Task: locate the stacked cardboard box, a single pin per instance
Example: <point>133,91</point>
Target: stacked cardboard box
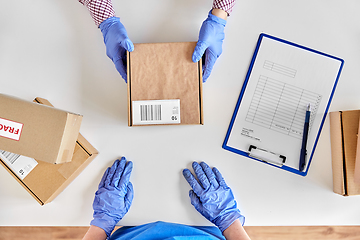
<point>49,152</point>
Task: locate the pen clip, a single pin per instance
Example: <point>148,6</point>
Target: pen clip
<point>303,151</point>
<point>266,156</point>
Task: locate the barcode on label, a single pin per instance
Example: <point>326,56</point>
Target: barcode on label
<point>150,112</point>
<point>11,157</point>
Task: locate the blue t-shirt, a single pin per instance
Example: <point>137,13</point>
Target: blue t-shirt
<point>168,231</point>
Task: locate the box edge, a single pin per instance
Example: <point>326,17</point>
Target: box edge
<point>337,153</point>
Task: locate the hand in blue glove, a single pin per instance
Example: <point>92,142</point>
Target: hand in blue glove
<point>117,43</point>
<point>210,41</point>
<point>114,196</point>
<point>211,196</point>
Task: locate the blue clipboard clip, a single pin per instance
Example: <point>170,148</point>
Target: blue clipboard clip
<point>266,156</point>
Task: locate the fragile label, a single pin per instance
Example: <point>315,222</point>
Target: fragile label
<point>10,129</point>
<point>156,112</point>
<point>19,164</point>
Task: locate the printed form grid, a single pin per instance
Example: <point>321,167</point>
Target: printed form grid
<point>281,107</point>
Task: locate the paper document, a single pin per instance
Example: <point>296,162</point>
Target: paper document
<point>283,79</point>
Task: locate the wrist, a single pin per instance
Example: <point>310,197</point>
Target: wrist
<point>106,223</point>
<point>219,13</point>
<point>107,23</point>
<point>236,231</point>
<point>226,220</point>
<point>216,19</point>
<point>95,232</point>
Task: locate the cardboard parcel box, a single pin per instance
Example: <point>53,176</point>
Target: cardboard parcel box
<point>164,84</point>
<point>44,181</point>
<point>344,128</point>
<point>37,131</point>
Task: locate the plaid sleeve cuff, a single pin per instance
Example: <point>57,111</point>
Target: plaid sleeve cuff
<point>100,10</point>
<point>226,5</point>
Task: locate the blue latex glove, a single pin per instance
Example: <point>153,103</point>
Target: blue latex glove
<point>117,43</point>
<point>211,196</point>
<point>114,196</point>
<point>210,41</point>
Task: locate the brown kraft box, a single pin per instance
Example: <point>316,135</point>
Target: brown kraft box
<point>344,127</point>
<point>165,71</point>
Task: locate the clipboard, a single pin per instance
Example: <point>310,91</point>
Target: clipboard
<point>282,80</point>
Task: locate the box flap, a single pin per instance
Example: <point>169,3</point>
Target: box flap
<point>43,101</point>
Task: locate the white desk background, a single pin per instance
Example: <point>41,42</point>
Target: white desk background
<point>52,49</point>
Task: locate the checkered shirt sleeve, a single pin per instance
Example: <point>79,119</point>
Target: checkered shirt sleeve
<point>100,10</point>
<point>226,5</point>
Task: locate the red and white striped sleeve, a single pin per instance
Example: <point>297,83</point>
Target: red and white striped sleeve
<point>226,5</point>
<point>100,10</point>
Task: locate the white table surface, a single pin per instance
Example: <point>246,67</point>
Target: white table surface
<point>52,49</point>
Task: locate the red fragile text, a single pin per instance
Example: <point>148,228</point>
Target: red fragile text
<point>8,129</point>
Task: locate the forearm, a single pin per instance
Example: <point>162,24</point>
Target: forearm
<point>225,5</point>
<point>95,233</point>
<point>236,232</point>
<point>219,13</point>
<point>100,10</point>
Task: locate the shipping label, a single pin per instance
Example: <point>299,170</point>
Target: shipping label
<point>19,164</point>
<point>156,112</point>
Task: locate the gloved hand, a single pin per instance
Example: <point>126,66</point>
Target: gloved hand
<point>211,196</point>
<point>117,43</point>
<point>210,41</point>
<point>114,196</point>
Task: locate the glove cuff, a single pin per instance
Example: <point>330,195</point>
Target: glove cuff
<point>105,222</point>
<point>107,23</point>
<point>225,221</point>
<point>216,19</point>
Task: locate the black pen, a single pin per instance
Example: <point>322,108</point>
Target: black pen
<point>303,150</point>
